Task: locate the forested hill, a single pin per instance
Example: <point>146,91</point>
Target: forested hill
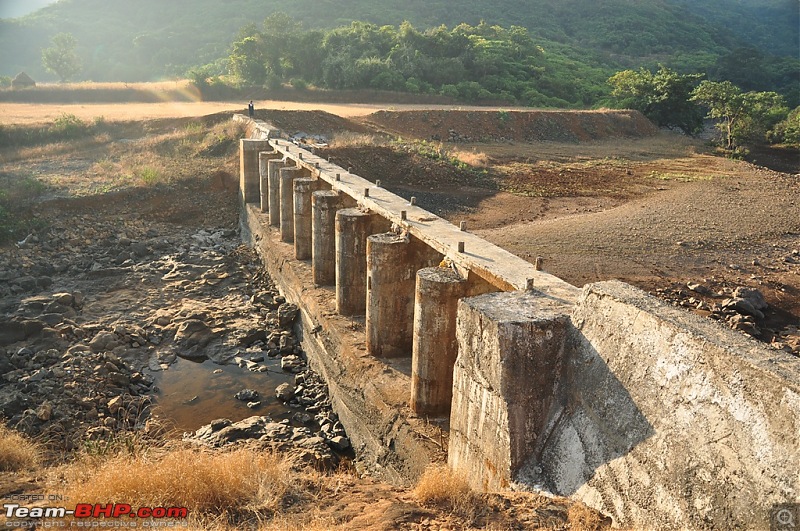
<point>149,39</point>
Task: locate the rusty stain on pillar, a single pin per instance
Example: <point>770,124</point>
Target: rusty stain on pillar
<point>323,236</point>
<point>392,264</point>
<point>288,175</point>
<point>353,226</point>
<point>303,188</point>
<point>435,348</point>
<point>274,185</point>
<point>248,168</point>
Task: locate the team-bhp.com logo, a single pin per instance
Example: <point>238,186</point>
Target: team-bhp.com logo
<point>18,516</point>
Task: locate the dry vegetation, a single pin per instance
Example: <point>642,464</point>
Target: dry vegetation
<point>17,452</point>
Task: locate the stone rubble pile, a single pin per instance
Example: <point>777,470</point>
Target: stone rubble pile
<point>741,308</point>
<point>316,440</point>
<point>92,309</point>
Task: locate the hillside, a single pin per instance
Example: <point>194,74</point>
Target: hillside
<point>149,39</point>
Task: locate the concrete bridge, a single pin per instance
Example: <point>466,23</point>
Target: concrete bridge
<point>431,337</point>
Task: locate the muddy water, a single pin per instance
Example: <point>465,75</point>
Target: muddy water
<point>192,394</point>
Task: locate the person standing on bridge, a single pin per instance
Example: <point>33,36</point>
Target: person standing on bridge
<point>251,110</point>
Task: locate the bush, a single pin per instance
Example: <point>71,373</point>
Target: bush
<point>68,126</point>
<point>786,131</point>
<point>299,83</point>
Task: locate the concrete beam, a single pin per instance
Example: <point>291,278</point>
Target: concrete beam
<point>249,180</point>
<point>392,264</point>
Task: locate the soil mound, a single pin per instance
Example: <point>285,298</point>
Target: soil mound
<point>500,126</point>
<point>317,122</point>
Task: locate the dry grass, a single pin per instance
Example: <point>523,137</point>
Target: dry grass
<point>349,139</point>
<point>204,482</point>
<point>474,158</point>
<point>447,490</point>
<point>580,517</point>
<point>16,452</point>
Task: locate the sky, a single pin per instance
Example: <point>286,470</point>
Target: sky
<point>18,8</point>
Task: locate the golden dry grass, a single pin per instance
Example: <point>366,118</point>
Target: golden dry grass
<point>16,452</point>
<point>443,488</point>
<point>204,482</point>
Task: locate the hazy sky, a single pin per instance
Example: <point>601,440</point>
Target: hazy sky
<point>18,8</point>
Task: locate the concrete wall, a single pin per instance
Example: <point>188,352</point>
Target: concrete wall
<point>655,416</point>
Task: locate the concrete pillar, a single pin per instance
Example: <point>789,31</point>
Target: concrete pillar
<point>353,226</point>
<point>263,173</point>
<point>392,265</point>
<point>274,186</point>
<point>323,236</point>
<point>248,168</point>
<point>288,175</point>
<point>303,188</point>
<point>511,362</point>
<point>435,348</point>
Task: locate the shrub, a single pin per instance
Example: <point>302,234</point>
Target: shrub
<point>299,83</point>
<point>69,126</point>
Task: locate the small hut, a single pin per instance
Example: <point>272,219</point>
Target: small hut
<point>22,81</point>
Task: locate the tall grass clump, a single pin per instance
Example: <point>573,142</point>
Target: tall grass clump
<point>441,487</point>
<point>16,452</point>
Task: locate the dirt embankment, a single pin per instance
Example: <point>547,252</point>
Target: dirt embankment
<point>521,126</point>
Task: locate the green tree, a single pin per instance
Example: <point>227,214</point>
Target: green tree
<point>61,58</point>
<point>787,131</point>
<point>740,115</point>
<point>247,61</point>
<point>664,97</point>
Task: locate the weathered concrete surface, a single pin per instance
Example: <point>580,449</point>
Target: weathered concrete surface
<point>392,264</point>
<point>303,188</point>
<point>666,420</point>
<point>511,350</point>
<point>249,179</point>
<point>353,227</point>
<point>324,205</point>
<point>274,191</point>
<point>370,398</point>
<point>287,177</point>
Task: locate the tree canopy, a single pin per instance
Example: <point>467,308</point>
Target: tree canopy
<point>61,58</point>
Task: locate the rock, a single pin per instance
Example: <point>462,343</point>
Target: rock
<point>114,404</point>
<point>292,363</point>
<point>742,306</point>
<point>284,392</point>
<point>64,299</point>
<point>254,405</point>
<point>44,411</point>
<point>246,395</point>
<point>339,443</point>
<point>286,315</point>
<point>753,296</point>
<point>698,288</point>
<point>104,341</point>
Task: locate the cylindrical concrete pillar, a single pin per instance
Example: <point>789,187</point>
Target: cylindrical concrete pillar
<point>352,228</point>
<point>392,264</point>
<point>303,188</point>
<point>288,175</point>
<point>323,236</point>
<point>435,347</point>
<point>263,172</point>
<point>248,168</point>
<point>274,192</point>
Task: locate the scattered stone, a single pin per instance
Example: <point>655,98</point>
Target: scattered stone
<point>246,395</point>
<point>284,392</point>
<point>292,363</point>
